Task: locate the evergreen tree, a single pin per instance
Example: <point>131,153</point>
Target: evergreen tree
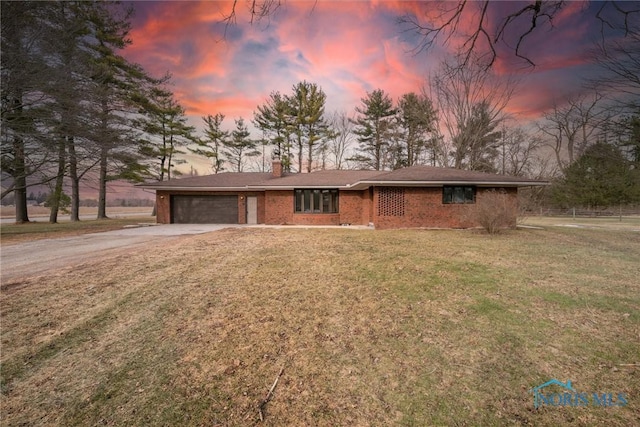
<point>240,146</point>
<point>211,146</point>
<point>307,108</point>
<point>25,150</point>
<point>114,80</point>
<point>165,131</point>
<point>628,133</point>
<point>73,100</point>
<point>374,127</point>
<point>600,178</point>
<point>476,142</point>
<point>416,117</point>
<point>274,118</point>
<point>62,57</point>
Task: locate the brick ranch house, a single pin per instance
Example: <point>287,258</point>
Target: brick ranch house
<point>417,196</point>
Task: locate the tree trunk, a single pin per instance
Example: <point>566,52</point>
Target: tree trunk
<point>378,153</point>
<point>57,191</point>
<point>104,156</point>
<point>75,181</point>
<point>20,185</point>
<point>19,169</point>
<point>310,159</point>
<point>170,158</point>
<point>299,154</point>
<point>163,159</point>
<point>102,192</point>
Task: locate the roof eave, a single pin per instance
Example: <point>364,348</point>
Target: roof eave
<point>364,184</point>
<point>173,188</point>
<point>295,187</point>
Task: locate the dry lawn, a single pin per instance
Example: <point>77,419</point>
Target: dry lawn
<point>15,233</point>
<point>41,211</point>
<point>371,327</point>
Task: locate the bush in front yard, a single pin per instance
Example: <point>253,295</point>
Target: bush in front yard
<point>495,211</point>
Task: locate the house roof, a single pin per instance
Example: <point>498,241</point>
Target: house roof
<point>224,181</point>
<point>318,179</point>
<point>434,176</point>
<point>415,176</point>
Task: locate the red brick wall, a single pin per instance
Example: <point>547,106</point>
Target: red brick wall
<point>423,207</point>
<point>278,207</point>
<point>163,203</point>
<point>354,207</point>
<point>316,219</point>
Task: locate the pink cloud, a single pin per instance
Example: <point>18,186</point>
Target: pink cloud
<point>348,48</point>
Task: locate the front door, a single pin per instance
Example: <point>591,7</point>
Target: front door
<point>252,210</point>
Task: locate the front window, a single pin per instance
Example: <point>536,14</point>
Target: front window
<point>316,201</point>
<point>458,195</point>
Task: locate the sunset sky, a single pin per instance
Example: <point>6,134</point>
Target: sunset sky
<point>347,48</point>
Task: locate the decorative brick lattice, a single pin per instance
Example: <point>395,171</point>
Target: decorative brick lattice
<point>391,201</point>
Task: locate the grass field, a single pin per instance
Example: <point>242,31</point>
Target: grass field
<point>12,233</point>
<point>402,327</point>
<point>41,211</point>
<point>40,229</point>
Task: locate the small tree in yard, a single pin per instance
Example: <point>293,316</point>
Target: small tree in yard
<point>495,211</point>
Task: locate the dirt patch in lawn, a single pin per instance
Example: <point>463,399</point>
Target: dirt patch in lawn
<point>371,327</point>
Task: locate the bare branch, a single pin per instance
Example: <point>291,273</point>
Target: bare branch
<point>471,48</point>
<point>537,11</point>
<point>430,34</point>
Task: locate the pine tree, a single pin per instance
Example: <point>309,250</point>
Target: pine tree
<point>476,143</point>
<point>602,177</point>
<point>164,125</point>
<point>274,119</point>
<point>307,108</point>
<point>114,79</point>
<point>25,74</point>
<point>215,139</point>
<point>416,117</point>
<point>374,127</point>
<point>240,146</point>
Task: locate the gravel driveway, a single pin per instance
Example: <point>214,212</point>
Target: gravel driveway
<point>39,256</point>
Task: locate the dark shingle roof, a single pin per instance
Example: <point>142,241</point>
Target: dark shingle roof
<point>351,179</point>
<point>324,178</point>
<point>445,175</point>
<point>222,181</point>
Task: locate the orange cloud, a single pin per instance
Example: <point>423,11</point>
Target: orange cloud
<point>348,48</point>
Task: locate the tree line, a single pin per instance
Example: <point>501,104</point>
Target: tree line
<point>73,106</point>
<point>463,124</point>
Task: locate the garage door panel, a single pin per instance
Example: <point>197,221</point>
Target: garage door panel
<point>204,209</point>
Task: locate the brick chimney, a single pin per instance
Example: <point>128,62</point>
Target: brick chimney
<point>276,168</point>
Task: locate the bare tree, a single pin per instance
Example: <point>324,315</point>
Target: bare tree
<point>619,57</point>
<point>570,128</point>
<point>341,139</point>
<point>519,152</point>
<point>471,105</point>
